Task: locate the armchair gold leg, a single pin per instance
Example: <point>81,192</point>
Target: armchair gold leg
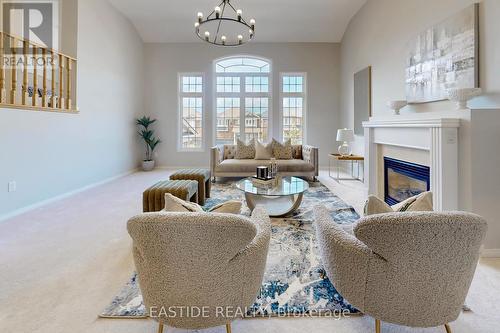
<point>228,328</point>
<point>377,326</point>
<point>448,328</point>
<point>160,328</point>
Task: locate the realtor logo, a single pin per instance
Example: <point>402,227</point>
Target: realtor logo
<point>31,20</point>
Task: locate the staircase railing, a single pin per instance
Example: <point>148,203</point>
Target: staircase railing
<point>47,76</point>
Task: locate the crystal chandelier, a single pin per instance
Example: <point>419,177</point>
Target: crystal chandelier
<point>225,26</point>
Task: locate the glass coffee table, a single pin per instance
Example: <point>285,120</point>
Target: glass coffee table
<point>280,200</point>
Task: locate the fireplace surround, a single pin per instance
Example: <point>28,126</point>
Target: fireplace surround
<point>438,137</point>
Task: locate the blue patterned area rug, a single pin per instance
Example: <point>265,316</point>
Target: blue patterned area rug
<point>294,282</point>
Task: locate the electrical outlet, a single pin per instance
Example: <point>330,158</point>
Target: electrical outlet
<point>12,187</point>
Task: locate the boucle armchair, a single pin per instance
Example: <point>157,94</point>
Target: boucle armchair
<point>199,262</point>
<point>412,269</point>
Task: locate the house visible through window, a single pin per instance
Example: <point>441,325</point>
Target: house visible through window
<point>293,95</point>
<point>191,117</point>
<point>242,93</point>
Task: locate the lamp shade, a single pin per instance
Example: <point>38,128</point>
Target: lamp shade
<point>345,135</point>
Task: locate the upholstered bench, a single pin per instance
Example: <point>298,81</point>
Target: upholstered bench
<point>153,199</point>
<point>202,176</point>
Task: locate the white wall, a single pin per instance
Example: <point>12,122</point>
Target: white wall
<point>378,36</point>
<point>49,154</point>
<point>163,62</point>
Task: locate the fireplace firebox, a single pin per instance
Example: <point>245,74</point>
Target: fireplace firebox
<point>403,180</point>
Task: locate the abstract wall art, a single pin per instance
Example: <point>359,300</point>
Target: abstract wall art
<point>444,56</point>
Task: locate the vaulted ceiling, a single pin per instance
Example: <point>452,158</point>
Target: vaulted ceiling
<point>277,20</point>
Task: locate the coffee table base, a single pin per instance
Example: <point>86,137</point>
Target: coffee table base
<point>276,206</point>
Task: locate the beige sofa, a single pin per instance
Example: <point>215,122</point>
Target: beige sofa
<point>223,163</point>
<point>412,269</point>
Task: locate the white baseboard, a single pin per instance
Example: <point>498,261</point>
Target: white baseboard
<point>490,253</point>
<point>62,196</point>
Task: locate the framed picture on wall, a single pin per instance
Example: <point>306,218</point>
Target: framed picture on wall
<point>444,56</point>
<point>362,98</point>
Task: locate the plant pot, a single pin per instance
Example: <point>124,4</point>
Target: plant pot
<point>148,165</point>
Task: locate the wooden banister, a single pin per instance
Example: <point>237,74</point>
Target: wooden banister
<point>13,88</point>
<point>3,95</point>
<point>44,79</point>
<point>68,83</point>
<point>53,78</point>
<point>61,81</point>
<point>35,60</point>
<point>34,98</point>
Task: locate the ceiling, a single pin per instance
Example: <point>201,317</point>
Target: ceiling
<point>164,21</point>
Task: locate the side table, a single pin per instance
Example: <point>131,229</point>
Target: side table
<point>337,159</point>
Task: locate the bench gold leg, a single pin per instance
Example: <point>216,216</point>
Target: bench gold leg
<point>228,328</point>
<point>448,328</point>
<point>377,326</point>
<point>160,328</point>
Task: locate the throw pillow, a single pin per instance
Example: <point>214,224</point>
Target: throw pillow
<point>418,203</point>
<point>283,151</point>
<point>297,152</point>
<point>245,151</point>
<point>174,204</point>
<point>374,205</point>
<point>263,152</point>
<point>228,207</point>
<point>421,202</point>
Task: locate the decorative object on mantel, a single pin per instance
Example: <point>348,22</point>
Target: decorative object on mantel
<point>345,136</point>
<point>396,106</point>
<point>462,96</point>
<point>444,56</point>
<point>150,141</point>
<point>225,26</point>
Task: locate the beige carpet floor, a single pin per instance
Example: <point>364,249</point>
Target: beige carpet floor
<point>61,264</point>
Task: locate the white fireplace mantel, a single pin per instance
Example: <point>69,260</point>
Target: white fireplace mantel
<point>437,136</point>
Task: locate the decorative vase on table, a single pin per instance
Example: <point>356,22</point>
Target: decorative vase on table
<point>462,95</point>
<point>345,136</point>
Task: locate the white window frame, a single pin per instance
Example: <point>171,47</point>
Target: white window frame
<point>303,94</point>
<point>242,94</point>
<point>180,96</point>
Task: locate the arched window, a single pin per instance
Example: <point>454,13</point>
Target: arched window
<point>243,99</point>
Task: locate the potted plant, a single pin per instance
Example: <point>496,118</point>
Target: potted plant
<point>150,141</point>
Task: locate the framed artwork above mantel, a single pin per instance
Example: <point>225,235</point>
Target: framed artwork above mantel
<point>444,56</point>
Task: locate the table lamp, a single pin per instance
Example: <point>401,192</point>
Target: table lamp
<point>345,136</point>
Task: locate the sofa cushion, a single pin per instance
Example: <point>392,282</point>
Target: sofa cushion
<point>283,151</point>
<point>245,150</point>
<point>263,151</point>
<point>249,166</point>
<point>229,151</point>
<point>294,166</point>
<point>297,151</point>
